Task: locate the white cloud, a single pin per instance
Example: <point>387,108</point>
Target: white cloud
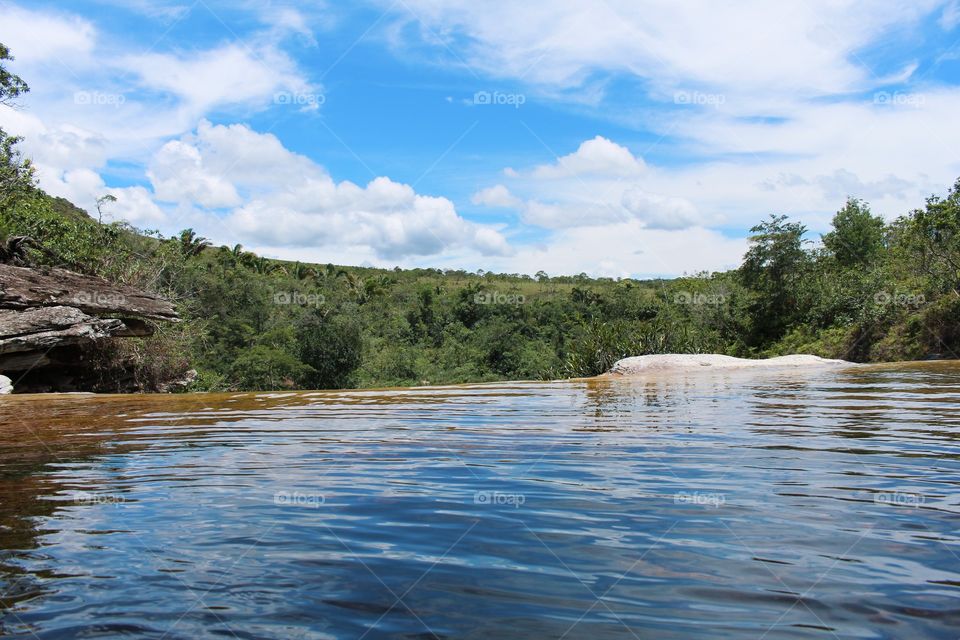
<point>626,249</point>
<point>797,48</point>
<point>598,156</point>
<point>282,199</point>
<point>81,79</point>
<point>600,183</point>
<point>495,196</point>
<point>178,175</point>
<point>232,74</point>
<point>759,73</point>
<point>48,38</point>
<point>658,211</point>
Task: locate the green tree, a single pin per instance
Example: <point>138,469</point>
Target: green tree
<point>16,172</point>
<point>857,236</point>
<point>265,368</point>
<point>930,240</point>
<point>773,269</point>
<point>190,243</point>
<point>332,347</point>
<point>12,86</point>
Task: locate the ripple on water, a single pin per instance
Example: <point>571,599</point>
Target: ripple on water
<point>739,504</point>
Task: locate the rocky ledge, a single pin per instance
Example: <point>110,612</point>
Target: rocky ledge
<point>697,362</point>
<point>52,319</point>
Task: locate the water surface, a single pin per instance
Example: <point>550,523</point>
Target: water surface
<point>754,504</point>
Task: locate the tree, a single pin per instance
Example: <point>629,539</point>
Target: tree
<point>331,346</point>
<point>12,86</point>
<point>265,368</point>
<point>190,243</point>
<point>932,236</point>
<point>300,271</point>
<point>101,201</point>
<point>857,236</point>
<point>16,172</point>
<point>773,270</point>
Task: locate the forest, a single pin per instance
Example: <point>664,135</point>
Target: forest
<point>867,291</point>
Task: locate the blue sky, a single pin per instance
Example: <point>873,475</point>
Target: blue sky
<point>616,138</point>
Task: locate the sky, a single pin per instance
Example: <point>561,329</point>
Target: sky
<point>620,138</point>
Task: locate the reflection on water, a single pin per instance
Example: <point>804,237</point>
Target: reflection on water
<point>737,504</point>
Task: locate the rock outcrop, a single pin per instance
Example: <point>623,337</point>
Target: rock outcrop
<point>696,362</point>
<point>50,318</point>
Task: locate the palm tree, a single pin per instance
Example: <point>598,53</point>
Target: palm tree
<point>300,271</point>
<point>191,244</point>
<point>355,285</point>
<point>263,266</point>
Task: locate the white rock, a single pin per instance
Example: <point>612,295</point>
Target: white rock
<point>6,385</point>
<point>692,362</point>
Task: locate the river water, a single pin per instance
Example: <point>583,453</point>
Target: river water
<point>752,504</point>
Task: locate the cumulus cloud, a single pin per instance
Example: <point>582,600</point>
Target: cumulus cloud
<point>178,175</point>
<point>600,183</point>
<point>282,199</point>
<point>658,211</point>
<point>598,156</point>
<point>495,196</point>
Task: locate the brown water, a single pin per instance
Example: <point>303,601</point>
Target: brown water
<point>752,504</point>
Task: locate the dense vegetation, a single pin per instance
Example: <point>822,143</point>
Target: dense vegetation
<point>870,291</point>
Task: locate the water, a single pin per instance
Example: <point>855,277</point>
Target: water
<point>743,505</point>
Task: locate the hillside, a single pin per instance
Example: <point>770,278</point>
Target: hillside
<point>872,292</point>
